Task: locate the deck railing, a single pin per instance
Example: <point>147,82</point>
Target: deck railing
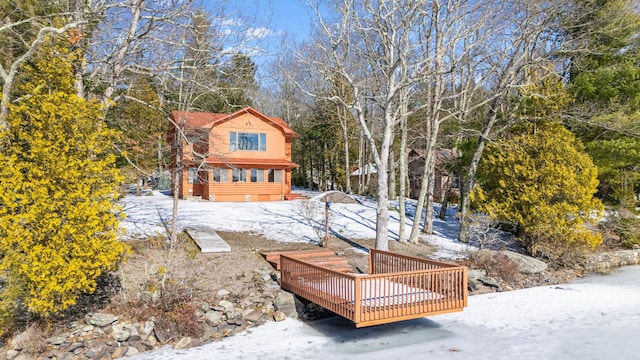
<point>330,289</point>
<point>399,288</point>
<point>383,262</point>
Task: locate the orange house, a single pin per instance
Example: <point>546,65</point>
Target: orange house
<point>244,156</point>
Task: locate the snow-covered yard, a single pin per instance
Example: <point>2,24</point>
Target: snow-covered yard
<point>286,221</point>
<point>594,318</point>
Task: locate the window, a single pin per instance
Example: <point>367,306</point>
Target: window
<point>275,175</point>
<point>248,141</point>
<point>220,175</point>
<point>193,176</point>
<point>257,175</point>
<point>455,183</point>
<point>239,175</point>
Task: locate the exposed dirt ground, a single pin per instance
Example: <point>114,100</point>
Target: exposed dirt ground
<point>206,273</point>
<point>197,275</point>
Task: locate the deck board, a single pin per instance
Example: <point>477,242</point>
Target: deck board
<point>319,256</point>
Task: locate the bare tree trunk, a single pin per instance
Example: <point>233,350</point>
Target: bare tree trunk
<point>362,152</point>
<point>345,137</point>
<point>403,182</point>
<point>445,200</point>
<point>392,175</point>
<point>427,227</point>
<point>470,179</point>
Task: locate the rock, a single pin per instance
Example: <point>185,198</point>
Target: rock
<point>22,340</point>
<point>100,319</point>
<point>472,284</point>
<point>252,315</point>
<point>11,353</point>
<point>120,333</point>
<point>210,332</point>
<point>222,292</point>
<point>135,335</point>
<point>152,341</point>
<point>246,303</point>
<point>23,356</point>
<point>272,286</point>
<point>146,345</point>
<point>57,340</point>
<point>226,305</point>
<point>147,329</point>
<point>489,281</point>
<point>85,330</point>
<point>120,351</point>
<point>526,264</point>
<point>476,273</point>
<point>285,302</point>
<point>131,351</point>
<point>237,321</point>
<point>47,355</point>
<point>279,316</point>
<point>268,306</point>
<point>74,346</point>
<point>226,329</point>
<point>213,317</point>
<point>183,343</point>
<point>205,307</point>
<point>139,346</point>
<point>265,274</point>
<point>96,353</point>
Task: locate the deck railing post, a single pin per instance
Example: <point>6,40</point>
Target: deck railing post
<point>357,300</point>
<point>465,288</point>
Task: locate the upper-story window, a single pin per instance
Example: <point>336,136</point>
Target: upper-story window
<point>248,141</point>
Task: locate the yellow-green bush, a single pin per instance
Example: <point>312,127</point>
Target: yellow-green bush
<point>58,185</point>
<point>542,179</point>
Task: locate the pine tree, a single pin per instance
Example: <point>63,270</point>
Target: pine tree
<point>541,179</point>
<point>137,117</point>
<point>58,190</point>
<point>604,77</point>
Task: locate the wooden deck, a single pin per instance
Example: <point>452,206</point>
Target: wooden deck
<point>320,256</point>
<point>398,287</point>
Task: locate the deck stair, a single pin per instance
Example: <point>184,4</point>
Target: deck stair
<point>321,257</point>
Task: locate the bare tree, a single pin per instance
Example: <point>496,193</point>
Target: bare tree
<point>523,47</point>
<point>371,48</point>
<point>24,31</point>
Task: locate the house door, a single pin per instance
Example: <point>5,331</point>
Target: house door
<point>200,183</point>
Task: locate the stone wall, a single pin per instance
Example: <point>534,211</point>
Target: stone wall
<point>605,262</point>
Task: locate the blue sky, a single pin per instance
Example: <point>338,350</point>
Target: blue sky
<point>289,16</point>
<point>274,20</point>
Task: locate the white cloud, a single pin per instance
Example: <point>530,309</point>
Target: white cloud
<point>258,33</point>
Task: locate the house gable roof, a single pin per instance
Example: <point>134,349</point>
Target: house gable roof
<point>193,119</point>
